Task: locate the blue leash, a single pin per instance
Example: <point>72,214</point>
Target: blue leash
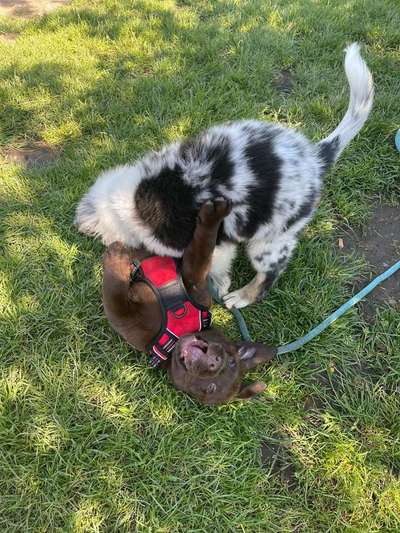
<point>397,140</point>
<point>295,345</point>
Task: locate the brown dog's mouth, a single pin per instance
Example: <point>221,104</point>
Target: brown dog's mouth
<point>200,357</point>
<point>192,349</point>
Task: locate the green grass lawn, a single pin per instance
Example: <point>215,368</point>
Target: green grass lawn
<point>90,438</point>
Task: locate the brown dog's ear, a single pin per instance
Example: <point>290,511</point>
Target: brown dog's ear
<point>249,391</point>
<point>253,354</point>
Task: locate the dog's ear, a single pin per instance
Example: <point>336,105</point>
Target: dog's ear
<point>253,389</point>
<point>253,354</point>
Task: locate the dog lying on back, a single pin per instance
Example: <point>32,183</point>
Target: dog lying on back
<point>271,175</point>
<point>204,364</point>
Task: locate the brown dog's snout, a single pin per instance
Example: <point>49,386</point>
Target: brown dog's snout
<point>215,358</point>
<point>200,357</point>
<point>214,362</point>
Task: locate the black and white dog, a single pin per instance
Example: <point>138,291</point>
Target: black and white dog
<point>271,174</point>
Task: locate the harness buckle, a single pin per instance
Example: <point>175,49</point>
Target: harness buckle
<point>180,312</point>
<point>136,270</point>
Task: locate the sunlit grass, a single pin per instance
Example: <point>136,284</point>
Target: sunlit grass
<point>90,438</point>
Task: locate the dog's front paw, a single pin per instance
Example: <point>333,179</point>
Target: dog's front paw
<point>117,259</point>
<point>214,211</point>
<point>238,299</point>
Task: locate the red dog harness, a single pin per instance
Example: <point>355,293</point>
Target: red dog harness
<point>180,314</point>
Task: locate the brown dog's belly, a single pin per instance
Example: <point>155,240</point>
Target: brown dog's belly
<point>132,310</point>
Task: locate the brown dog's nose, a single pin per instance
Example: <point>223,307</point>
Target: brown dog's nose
<point>214,362</point>
<point>215,358</point>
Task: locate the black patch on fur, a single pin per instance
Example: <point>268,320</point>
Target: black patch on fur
<point>218,155</point>
<point>261,257</point>
<point>305,209</point>
<point>167,205</point>
<point>282,261</point>
<point>189,149</point>
<point>222,165</point>
<point>265,166</point>
<point>239,220</point>
<point>222,236</point>
<point>273,273</point>
<point>327,153</point>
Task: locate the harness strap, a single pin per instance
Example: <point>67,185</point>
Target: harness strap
<point>162,275</point>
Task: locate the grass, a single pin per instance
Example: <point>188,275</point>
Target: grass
<point>90,438</point>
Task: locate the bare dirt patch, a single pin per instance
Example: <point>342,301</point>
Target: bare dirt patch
<point>379,243</point>
<point>29,8</point>
<point>283,81</point>
<point>32,155</point>
<point>275,457</point>
<point>8,36</point>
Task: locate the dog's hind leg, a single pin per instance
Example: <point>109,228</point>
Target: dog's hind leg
<point>269,259</point>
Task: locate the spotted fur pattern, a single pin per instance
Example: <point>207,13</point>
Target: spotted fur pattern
<point>272,175</point>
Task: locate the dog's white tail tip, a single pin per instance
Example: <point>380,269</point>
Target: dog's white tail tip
<point>360,102</point>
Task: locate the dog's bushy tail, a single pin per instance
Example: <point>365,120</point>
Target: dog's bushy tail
<point>360,105</point>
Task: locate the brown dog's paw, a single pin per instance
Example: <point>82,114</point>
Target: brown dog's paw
<point>117,259</point>
<point>117,248</point>
<point>214,211</point>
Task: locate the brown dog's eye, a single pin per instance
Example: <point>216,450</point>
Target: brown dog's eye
<point>211,388</point>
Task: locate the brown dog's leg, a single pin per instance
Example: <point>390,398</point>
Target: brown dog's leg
<point>197,256</point>
<point>116,277</point>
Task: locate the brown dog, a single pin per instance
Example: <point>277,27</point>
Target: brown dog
<point>205,365</point>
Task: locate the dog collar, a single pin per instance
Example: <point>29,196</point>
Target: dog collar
<point>181,315</point>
